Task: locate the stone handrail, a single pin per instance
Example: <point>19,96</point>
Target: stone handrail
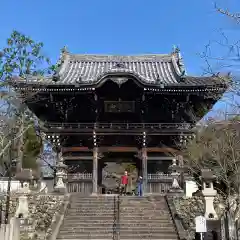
<point>182,233</point>
<point>58,219</point>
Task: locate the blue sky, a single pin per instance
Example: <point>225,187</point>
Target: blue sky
<point>121,27</point>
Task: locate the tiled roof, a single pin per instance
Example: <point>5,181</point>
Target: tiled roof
<point>157,69</point>
<point>91,68</point>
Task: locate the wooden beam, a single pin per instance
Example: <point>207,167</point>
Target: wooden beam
<point>80,158</point>
<point>162,150</point>
<point>75,149</point>
<point>120,149</point>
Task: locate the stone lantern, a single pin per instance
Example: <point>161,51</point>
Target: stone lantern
<point>60,175</point>
<point>25,176</point>
<point>176,172</point>
<point>209,193</point>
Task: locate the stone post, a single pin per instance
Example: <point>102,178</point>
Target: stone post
<point>144,169</point>
<point>209,194</point>
<point>22,207</point>
<point>176,172</point>
<point>60,175</point>
<point>95,171</point>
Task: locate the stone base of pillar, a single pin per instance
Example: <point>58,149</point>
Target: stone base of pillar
<point>94,194</point>
<point>60,189</point>
<point>22,209</point>
<point>175,190</point>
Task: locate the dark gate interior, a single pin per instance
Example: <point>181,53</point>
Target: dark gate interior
<point>112,167</point>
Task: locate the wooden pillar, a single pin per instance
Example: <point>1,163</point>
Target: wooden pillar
<point>95,171</point>
<point>144,169</point>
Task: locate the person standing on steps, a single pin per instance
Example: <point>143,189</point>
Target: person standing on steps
<point>124,182</point>
<point>139,185</point>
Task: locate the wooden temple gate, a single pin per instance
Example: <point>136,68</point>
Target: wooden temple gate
<point>156,183</point>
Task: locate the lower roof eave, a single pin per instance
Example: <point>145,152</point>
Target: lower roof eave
<point>39,87</point>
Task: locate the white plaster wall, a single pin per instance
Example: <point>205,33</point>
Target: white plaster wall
<point>10,231</point>
<point>15,185</point>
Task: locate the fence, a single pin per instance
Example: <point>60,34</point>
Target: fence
<point>80,182</point>
<point>159,183</point>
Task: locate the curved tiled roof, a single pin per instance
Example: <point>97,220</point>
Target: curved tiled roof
<point>166,69</point>
<point>92,68</point>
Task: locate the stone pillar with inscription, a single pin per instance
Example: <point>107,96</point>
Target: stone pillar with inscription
<point>95,171</point>
<point>144,169</point>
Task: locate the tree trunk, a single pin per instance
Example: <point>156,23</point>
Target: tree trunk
<point>20,144</point>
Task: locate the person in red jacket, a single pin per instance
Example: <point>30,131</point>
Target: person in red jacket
<point>124,182</point>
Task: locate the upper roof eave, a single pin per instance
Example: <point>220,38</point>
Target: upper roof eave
<point>187,82</point>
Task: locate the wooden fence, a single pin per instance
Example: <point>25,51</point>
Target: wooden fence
<point>159,183</point>
<point>80,183</point>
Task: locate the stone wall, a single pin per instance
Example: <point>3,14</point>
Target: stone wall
<point>189,208</point>
<point>42,209</point>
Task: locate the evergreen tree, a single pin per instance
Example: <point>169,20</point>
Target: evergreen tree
<point>20,59</point>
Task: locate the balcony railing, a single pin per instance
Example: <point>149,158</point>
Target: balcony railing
<point>150,176</point>
<point>120,126</point>
<point>80,176</point>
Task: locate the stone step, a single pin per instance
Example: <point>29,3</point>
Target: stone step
<point>132,235</point>
<point>126,231</point>
<point>148,222</point>
<point>105,228</point>
<point>125,238</point>
<point>121,201</point>
<point>148,208</point>
<point>99,223</point>
<point>110,206</point>
<point>122,218</point>
<point>142,199</point>
<point>122,214</point>
<point>111,212</point>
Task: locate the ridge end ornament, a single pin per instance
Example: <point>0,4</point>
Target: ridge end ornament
<point>119,80</point>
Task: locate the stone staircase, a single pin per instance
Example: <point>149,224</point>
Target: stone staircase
<point>146,218</point>
<point>88,218</point>
<point>140,218</point>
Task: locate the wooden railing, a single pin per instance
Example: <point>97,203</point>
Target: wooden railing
<point>151,176</point>
<point>120,126</point>
<point>157,183</point>
<point>79,176</point>
<point>159,177</point>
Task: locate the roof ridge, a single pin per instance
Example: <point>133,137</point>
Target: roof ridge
<point>120,58</point>
<point>120,55</point>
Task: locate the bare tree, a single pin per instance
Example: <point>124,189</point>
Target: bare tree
<point>217,147</point>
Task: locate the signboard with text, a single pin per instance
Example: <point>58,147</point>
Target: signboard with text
<point>201,224</point>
